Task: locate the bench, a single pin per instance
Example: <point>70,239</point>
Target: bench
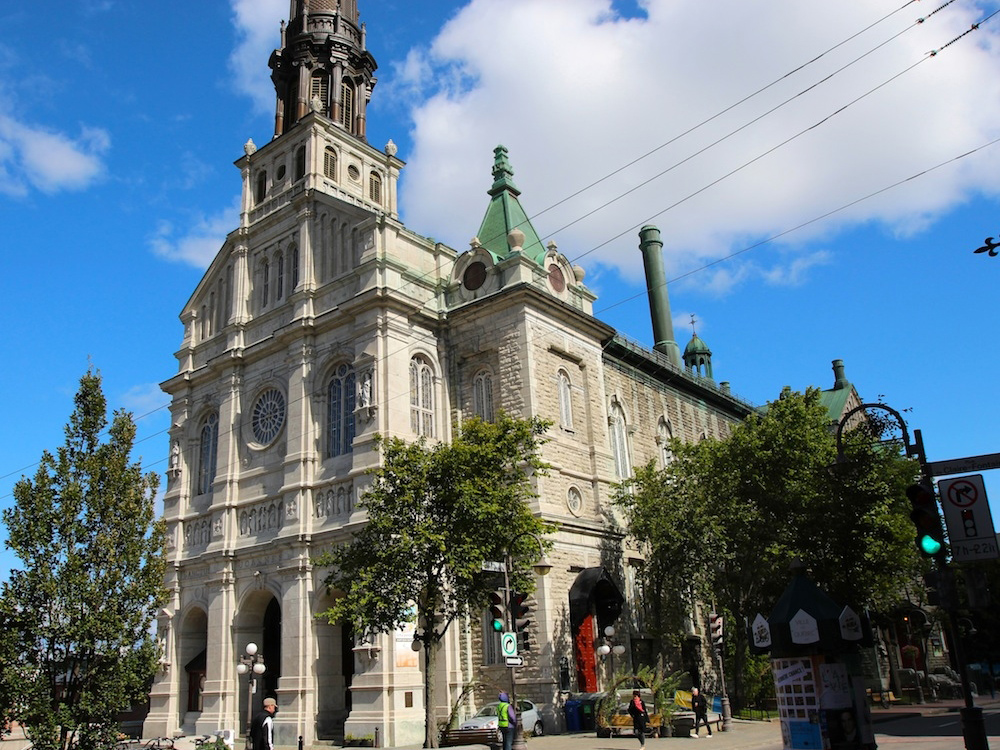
<point>683,722</point>
<point>885,698</point>
<point>453,737</point>
<point>623,724</point>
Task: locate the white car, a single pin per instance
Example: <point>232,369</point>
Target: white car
<point>487,718</point>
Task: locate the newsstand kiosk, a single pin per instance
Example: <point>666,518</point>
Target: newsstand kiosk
<point>816,663</point>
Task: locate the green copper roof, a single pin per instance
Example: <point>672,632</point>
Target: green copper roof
<point>505,214</point>
<point>697,346</point>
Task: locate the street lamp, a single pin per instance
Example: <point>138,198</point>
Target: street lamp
<point>608,647</point>
<point>542,566</point>
<point>251,664</point>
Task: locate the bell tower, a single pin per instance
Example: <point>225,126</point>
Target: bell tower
<point>322,66</point>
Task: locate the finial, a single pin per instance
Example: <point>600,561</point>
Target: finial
<point>390,148</point>
<point>694,331</point>
<point>474,243</point>
<point>249,147</point>
<point>552,246</point>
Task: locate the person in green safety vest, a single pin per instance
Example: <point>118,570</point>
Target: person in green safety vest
<point>506,720</point>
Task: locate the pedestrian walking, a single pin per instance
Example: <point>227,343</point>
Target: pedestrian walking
<point>506,720</point>
<point>640,717</point>
<point>262,726</point>
<point>700,707</point>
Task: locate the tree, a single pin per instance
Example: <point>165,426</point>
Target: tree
<point>722,522</point>
<point>435,514</point>
<point>77,647</point>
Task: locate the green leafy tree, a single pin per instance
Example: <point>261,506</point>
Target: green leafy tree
<point>77,647</point>
<point>724,520</point>
<point>435,514</point>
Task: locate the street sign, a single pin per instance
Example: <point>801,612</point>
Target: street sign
<point>968,518</point>
<point>493,567</point>
<point>964,465</point>
<point>508,644</point>
<point>514,661</point>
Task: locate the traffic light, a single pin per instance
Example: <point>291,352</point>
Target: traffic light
<point>496,610</point>
<point>925,516</point>
<point>519,618</point>
<point>715,630</point>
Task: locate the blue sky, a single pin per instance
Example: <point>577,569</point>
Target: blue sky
<point>829,127</point>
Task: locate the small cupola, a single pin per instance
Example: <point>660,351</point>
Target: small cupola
<point>697,355</point>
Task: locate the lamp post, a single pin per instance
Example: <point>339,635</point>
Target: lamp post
<point>608,647</point>
<point>252,664</point>
<point>541,567</point>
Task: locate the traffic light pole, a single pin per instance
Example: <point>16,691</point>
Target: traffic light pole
<point>508,564</point>
<point>973,726</point>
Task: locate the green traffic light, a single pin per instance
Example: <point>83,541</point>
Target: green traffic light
<point>498,625</point>
<point>929,544</point>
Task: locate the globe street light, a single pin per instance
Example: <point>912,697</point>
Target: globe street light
<point>251,664</point>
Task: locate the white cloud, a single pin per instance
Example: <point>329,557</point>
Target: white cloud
<point>199,246</point>
<point>576,92</point>
<point>257,30</point>
<point>144,399</point>
<point>32,156</point>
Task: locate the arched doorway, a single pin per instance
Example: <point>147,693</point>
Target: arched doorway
<point>192,649</point>
<point>334,673</point>
<point>258,622</point>
<point>595,601</point>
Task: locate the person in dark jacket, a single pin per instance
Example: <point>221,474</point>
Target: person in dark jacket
<point>640,717</point>
<point>262,726</point>
<point>700,707</point>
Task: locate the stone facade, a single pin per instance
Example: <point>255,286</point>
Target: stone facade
<point>324,321</point>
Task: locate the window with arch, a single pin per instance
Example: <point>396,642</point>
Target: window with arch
<point>664,433</point>
<point>421,397</point>
<point>260,190</point>
<point>375,187</point>
<point>619,441</point>
<point>346,105</point>
<point>565,401</point>
<point>299,167</point>
<point>320,90</point>
<point>208,451</point>
<point>330,163</point>
<point>482,395</point>
<point>279,282</point>
<point>293,262</point>
<point>265,283</point>
<point>341,394</point>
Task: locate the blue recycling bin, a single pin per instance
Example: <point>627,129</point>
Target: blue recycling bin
<point>574,721</point>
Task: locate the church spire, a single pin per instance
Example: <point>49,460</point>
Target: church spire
<point>323,66</point>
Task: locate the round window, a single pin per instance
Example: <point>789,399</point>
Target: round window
<point>281,172</point>
<point>474,276</point>
<point>556,278</point>
<point>268,416</point>
<point>574,501</point>
<point>354,173</point>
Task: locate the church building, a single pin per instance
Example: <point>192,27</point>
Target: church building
<point>323,321</point>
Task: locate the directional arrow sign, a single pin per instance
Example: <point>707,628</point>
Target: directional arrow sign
<point>514,661</point>
<point>967,515</point>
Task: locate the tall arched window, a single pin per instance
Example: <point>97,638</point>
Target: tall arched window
<point>340,419</point>
<point>320,90</point>
<point>565,401</point>
<point>261,188</point>
<point>279,282</point>
<point>421,397</point>
<point>293,262</point>
<point>664,433</point>
<point>346,105</point>
<point>330,163</point>
<point>619,441</point>
<point>299,166</point>
<point>375,187</point>
<point>265,283</point>
<point>482,395</point>
<point>208,451</point>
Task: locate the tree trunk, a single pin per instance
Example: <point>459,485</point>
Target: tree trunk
<point>431,647</point>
